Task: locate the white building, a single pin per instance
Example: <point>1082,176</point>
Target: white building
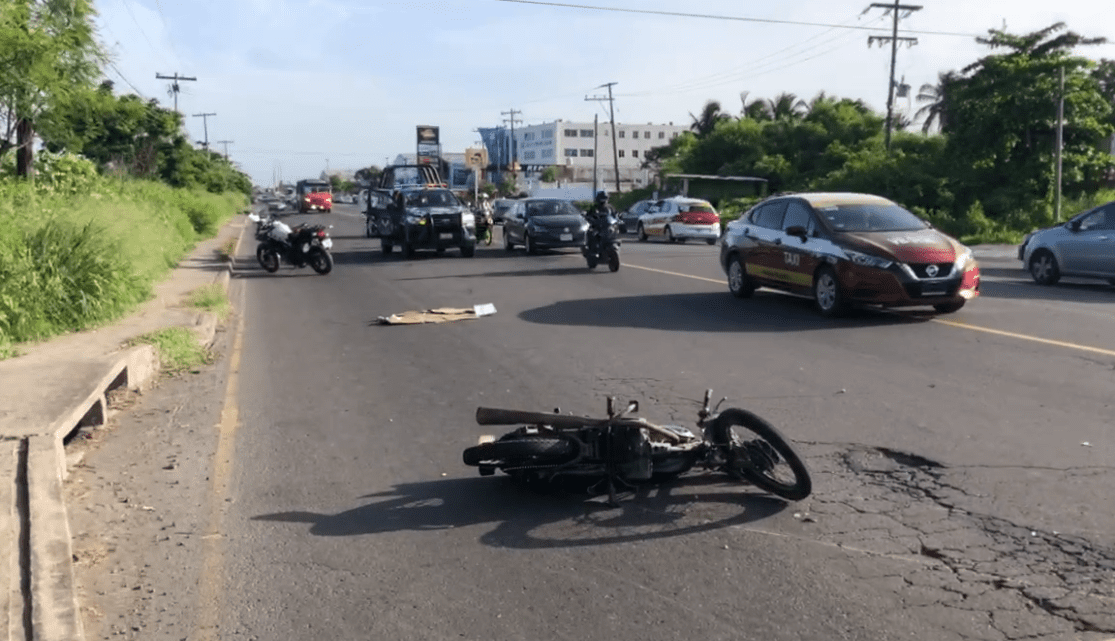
<point>577,147</point>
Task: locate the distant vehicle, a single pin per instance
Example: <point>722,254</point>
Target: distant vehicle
<point>629,220</point>
<point>411,208</point>
<point>500,209</point>
<point>313,195</point>
<point>1082,247</point>
<point>544,223</point>
<point>679,219</point>
<point>842,249</point>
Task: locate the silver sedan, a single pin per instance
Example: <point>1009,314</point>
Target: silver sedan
<point>1083,247</point>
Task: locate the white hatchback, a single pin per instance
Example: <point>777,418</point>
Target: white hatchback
<point>678,219</point>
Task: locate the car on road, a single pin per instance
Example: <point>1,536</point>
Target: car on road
<point>842,249</point>
<point>629,220</point>
<point>500,208</point>
<point>1082,247</point>
<point>678,219</point>
<point>420,217</point>
<point>544,223</point>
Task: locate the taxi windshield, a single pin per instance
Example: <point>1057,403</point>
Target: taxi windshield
<point>871,217</point>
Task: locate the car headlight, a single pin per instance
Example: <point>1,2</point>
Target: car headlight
<point>468,219</point>
<point>964,260</point>
<point>584,226</point>
<point>867,260</point>
<point>412,219</point>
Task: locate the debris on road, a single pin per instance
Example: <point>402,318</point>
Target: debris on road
<point>438,315</point>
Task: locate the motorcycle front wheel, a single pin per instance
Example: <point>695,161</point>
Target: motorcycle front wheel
<point>321,261</point>
<point>521,451</point>
<point>268,258</point>
<point>613,260</point>
<point>758,453</point>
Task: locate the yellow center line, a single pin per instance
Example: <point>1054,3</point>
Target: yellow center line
<point>974,328</point>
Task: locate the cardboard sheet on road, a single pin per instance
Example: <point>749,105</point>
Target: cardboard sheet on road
<point>437,315</point>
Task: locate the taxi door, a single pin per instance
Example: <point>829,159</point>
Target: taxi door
<point>799,255</point>
<point>762,255</point>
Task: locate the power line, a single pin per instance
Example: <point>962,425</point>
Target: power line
<point>680,14</point>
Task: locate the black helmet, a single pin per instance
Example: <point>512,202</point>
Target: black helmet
<point>601,197</point>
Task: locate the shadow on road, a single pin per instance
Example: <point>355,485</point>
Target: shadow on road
<point>527,519</point>
<point>1017,284</point>
<point>711,312</point>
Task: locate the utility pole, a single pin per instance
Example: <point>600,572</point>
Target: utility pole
<point>1060,143</point>
<point>612,115</point>
<point>226,143</point>
<point>595,128</point>
<point>174,88</point>
<point>514,154</point>
<point>205,123</point>
<point>893,39</point>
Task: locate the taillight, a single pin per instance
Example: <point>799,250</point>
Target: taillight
<point>321,233</point>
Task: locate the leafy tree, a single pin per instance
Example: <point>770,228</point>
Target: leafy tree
<point>47,51</point>
<point>1001,121</point>
<point>550,174</point>
<point>787,106</point>
<point>368,174</point>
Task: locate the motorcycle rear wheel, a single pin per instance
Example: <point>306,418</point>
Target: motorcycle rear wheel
<point>519,451</point>
<point>761,455</point>
<point>321,261</point>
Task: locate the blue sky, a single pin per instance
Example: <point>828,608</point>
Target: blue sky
<point>300,86</point>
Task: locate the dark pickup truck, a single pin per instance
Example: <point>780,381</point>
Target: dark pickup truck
<point>411,208</point>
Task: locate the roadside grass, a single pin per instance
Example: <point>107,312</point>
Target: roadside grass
<point>228,250</point>
<point>77,258</point>
<point>211,298</point>
<point>179,350</point>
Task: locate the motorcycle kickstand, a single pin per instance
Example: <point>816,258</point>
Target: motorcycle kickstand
<point>613,501</point>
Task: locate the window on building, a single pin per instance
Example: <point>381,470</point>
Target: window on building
<point>621,153</point>
<point>587,153</point>
<point>661,135</point>
<point>646,134</point>
<point>547,153</point>
<point>634,153</point>
<point>547,133</point>
<point>570,152</point>
<point>674,135</point>
<point>570,133</point>
<point>620,132</point>
<point>586,133</point>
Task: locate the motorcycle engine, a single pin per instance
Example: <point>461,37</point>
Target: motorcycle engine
<point>630,450</point>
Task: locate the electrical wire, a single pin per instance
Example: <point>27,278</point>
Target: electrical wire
<point>681,14</point>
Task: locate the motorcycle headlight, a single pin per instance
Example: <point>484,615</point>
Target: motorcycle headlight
<point>584,226</point>
<point>867,260</point>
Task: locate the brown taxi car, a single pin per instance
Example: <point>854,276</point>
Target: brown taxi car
<point>846,248</point>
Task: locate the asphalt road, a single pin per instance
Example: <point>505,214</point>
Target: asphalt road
<point>961,463</point>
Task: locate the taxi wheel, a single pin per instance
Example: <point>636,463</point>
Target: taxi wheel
<point>1044,268</point>
<point>826,293</point>
<point>738,282</point>
<point>710,241</point>
<point>642,234</point>
<point>670,236</point>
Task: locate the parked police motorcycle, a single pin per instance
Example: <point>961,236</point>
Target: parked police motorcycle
<point>298,246</point>
<point>602,239</point>
<point>620,451</point>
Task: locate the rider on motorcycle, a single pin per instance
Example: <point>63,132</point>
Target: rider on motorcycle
<point>600,208</point>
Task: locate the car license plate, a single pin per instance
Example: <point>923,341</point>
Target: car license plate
<point>446,235</point>
<point>933,291</point>
<point>567,236</point>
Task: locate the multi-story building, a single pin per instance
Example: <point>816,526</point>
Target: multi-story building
<point>580,148</point>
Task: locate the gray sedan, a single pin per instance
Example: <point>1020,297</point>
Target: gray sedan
<point>1083,247</point>
<point>544,223</point>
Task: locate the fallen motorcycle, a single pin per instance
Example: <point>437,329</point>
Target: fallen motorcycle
<point>602,241</point>
<point>620,451</point>
<point>299,246</point>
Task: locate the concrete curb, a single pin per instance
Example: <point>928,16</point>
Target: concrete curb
<point>41,601</point>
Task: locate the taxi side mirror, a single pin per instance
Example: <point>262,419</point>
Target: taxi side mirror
<point>799,231</point>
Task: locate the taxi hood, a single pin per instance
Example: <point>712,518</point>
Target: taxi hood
<point>918,246</point>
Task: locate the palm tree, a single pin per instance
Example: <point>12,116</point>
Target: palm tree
<point>757,109</point>
<point>787,106</point>
<point>936,97</point>
<point>710,115</point>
